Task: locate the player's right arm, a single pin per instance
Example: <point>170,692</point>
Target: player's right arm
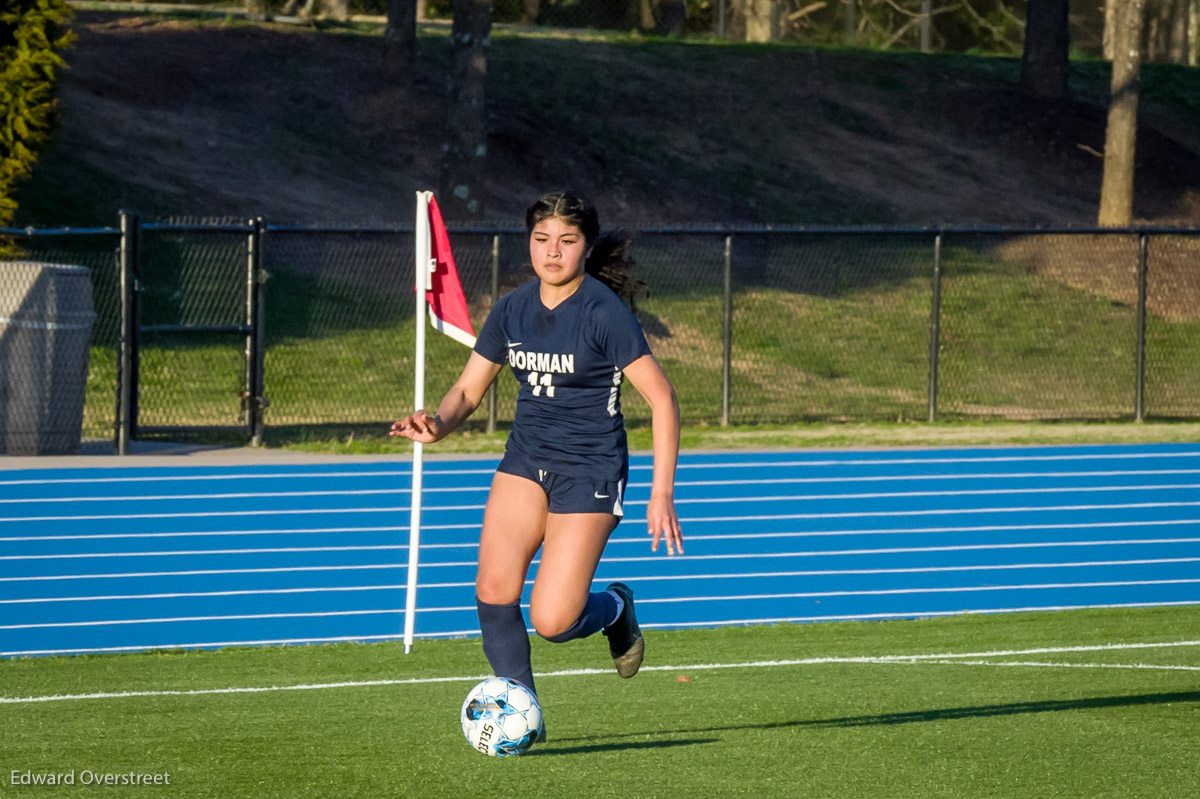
<point>459,403</point>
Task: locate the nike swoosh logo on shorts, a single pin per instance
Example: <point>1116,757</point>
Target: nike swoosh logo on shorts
<point>598,495</point>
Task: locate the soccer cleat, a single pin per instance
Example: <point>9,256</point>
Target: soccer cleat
<point>625,640</point>
<point>541,736</point>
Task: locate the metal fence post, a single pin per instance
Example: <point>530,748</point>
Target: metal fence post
<point>935,326</point>
<point>727,335</point>
<point>491,397</point>
<point>1139,403</point>
<point>126,425</point>
<point>255,334</point>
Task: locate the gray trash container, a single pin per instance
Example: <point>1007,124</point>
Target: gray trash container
<point>46,321</point>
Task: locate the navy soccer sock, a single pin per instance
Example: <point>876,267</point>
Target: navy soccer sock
<point>599,611</point>
<point>505,641</point>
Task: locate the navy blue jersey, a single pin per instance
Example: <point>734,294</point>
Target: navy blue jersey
<point>569,363</point>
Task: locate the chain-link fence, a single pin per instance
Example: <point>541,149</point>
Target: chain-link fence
<point>311,330</point>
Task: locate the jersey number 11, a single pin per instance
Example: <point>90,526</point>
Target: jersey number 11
<point>541,381</point>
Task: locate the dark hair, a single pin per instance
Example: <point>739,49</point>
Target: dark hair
<point>609,261</point>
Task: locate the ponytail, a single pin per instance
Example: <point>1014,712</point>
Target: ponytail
<point>610,263</point>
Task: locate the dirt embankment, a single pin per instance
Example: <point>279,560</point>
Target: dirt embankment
<point>188,118</point>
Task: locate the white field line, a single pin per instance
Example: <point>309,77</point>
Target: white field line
<point>980,492</point>
<point>678,484</point>
<point>602,580</point>
<point>1043,664</point>
<point>431,469</point>
<point>972,658</point>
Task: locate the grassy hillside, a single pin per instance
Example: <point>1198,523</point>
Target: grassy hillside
<point>189,117</point>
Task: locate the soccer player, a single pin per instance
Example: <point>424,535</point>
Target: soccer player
<point>570,342</point>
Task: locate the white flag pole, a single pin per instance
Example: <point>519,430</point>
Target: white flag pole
<point>422,263</point>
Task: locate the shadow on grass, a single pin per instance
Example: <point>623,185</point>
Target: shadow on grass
<point>616,747</point>
<point>912,717</point>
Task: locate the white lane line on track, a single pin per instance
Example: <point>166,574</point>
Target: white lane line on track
<point>636,540</point>
<point>756,517</point>
<point>666,600</point>
<point>840,496</point>
<point>716,556</point>
<point>468,632</point>
<point>484,486</point>
<point>597,581</point>
<point>431,468</point>
<point>972,658</point>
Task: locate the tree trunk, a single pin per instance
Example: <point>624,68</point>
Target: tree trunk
<point>761,19</point>
<point>338,10</point>
<point>1116,191</point>
<point>400,44</point>
<point>1180,22</point>
<point>1110,28</point>
<point>460,189</point>
<point>1044,66</point>
<point>295,7</point>
<point>1193,27</point>
<point>530,11</point>
<point>664,17</point>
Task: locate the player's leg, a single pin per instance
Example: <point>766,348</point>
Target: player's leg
<point>513,527</point>
<point>563,607</point>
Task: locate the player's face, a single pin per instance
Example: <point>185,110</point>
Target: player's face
<point>558,251</point>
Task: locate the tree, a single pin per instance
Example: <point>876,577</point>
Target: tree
<point>761,19</point>
<point>338,10</point>
<point>1116,190</point>
<point>1044,66</point>
<point>465,148</point>
<point>664,17</point>
<point>33,35</point>
<point>400,44</point>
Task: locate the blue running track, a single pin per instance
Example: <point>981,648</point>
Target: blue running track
<point>117,559</point>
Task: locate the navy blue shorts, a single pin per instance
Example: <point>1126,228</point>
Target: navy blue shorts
<point>565,494</point>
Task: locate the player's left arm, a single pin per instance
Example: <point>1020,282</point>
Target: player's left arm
<point>651,382</point>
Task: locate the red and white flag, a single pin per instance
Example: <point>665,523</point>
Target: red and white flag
<point>447,304</point>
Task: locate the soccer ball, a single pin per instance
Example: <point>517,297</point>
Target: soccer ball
<point>501,717</point>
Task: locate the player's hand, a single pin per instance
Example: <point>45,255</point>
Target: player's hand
<point>663,524</point>
<point>420,426</point>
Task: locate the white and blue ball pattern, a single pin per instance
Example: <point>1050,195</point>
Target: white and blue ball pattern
<point>501,717</point>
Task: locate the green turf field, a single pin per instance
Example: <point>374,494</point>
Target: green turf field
<point>1084,704</point>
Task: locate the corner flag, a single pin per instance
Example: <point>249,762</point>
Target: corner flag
<point>439,289</point>
<point>447,303</point>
